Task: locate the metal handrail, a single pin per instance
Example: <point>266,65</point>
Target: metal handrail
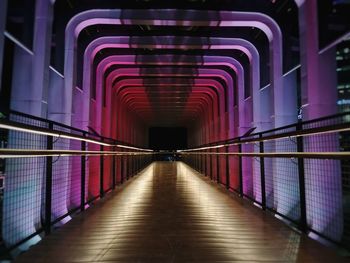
<point>11,125</point>
<point>309,155</point>
<point>20,153</point>
<point>297,133</point>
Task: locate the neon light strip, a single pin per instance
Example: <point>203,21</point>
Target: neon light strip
<point>326,155</point>
<point>283,137</point>
<point>19,153</point>
<point>132,148</point>
<point>17,42</point>
<point>56,71</point>
<point>14,128</point>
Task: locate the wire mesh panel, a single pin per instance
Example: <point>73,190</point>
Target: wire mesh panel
<point>3,144</point>
<point>23,198</point>
<point>323,183</point>
<point>72,179</point>
<point>249,184</point>
<point>62,176</point>
<point>24,181</point>
<point>23,185</point>
<point>345,173</point>
<point>126,167</point>
<point>301,171</point>
<point>222,166</point>
<point>269,184</point>
<point>324,197</point>
<point>346,202</point>
<point>234,169</point>
<point>118,169</point>
<point>107,173</point>
<point>74,184</point>
<point>285,196</point>
<point>282,175</point>
<point>45,187</point>
<point>209,164</point>
<point>93,178</point>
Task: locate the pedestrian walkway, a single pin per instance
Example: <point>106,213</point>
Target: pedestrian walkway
<point>169,213</point>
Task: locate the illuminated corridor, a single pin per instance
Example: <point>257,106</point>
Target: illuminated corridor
<point>175,131</point>
<point>169,213</point>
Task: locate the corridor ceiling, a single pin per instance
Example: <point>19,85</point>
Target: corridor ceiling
<point>171,62</point>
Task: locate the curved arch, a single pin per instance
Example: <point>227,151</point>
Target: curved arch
<point>244,116</point>
<point>184,72</point>
<point>224,18</point>
<point>209,84</point>
<point>199,94</point>
<point>136,72</point>
<point>206,94</point>
<point>213,43</point>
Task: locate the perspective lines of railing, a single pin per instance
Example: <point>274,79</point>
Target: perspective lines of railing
<point>300,172</point>
<point>50,171</point>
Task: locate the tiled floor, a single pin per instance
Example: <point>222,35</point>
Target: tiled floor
<point>171,214</point>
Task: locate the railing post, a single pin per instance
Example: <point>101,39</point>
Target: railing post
<point>240,171</point>
<point>194,161</point>
<point>262,174</point>
<point>127,168</point>
<point>202,163</point>
<point>113,170</point>
<point>102,192</point>
<point>136,163</point>
<point>83,174</point>
<point>211,165</point>
<point>227,169</point>
<point>217,166</point>
<point>48,188</point>
<point>197,162</point>
<point>121,169</point>
<point>131,170</point>
<point>301,172</point>
<point>139,163</point>
<point>194,157</point>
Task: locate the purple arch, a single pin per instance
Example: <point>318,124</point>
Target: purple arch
<point>197,82</point>
<point>169,60</point>
<point>199,90</point>
<point>239,44</point>
<point>223,18</point>
<point>135,72</point>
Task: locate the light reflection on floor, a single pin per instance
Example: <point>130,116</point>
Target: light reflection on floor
<point>169,213</point>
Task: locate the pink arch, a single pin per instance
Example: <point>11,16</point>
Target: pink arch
<point>244,120</point>
<point>247,48</point>
<point>261,21</point>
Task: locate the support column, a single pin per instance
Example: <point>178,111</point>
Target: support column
<point>318,71</point>
<point>3,11</point>
<point>42,49</point>
<point>29,86</point>
<point>323,182</point>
